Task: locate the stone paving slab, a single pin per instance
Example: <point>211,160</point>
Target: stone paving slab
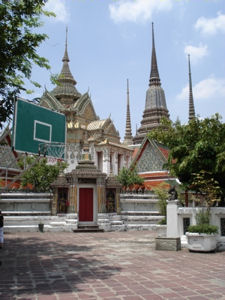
<point>108,265</point>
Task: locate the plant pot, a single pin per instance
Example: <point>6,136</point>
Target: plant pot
<point>201,242</point>
<point>41,227</point>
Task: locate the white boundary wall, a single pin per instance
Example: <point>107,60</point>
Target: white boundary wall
<point>176,215</point>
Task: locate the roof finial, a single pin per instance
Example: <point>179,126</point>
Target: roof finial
<point>154,74</point>
<point>66,57</point>
<point>128,139</point>
<point>191,100</point>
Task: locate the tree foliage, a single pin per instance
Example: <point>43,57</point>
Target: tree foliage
<point>128,177</point>
<point>196,147</point>
<point>162,194</point>
<point>40,175</point>
<point>19,41</point>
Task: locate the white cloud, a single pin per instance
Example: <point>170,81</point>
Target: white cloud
<point>59,8</point>
<point>211,26</point>
<point>209,88</point>
<point>196,53</point>
<point>137,10</point>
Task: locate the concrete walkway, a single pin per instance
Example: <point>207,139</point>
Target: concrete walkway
<point>112,265</point>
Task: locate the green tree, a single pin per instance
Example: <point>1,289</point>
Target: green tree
<point>129,177</point>
<point>162,193</point>
<point>195,147</point>
<point>19,42</point>
<point>40,174</point>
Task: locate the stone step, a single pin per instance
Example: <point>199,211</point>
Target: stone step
<point>58,223</point>
<point>140,213</point>
<point>141,218</point>
<point>141,200</point>
<point>20,228</point>
<point>118,227</point>
<point>152,227</point>
<point>24,200</point>
<point>71,221</point>
<point>118,218</point>
<point>117,222</point>
<point>26,213</point>
<point>34,228</point>
<point>138,196</point>
<point>87,228</point>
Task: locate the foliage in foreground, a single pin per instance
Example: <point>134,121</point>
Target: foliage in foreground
<point>129,177</point>
<point>19,41</point>
<point>196,147</point>
<point>40,175</point>
<point>162,195</point>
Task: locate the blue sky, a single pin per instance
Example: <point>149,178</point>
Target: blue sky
<point>110,41</point>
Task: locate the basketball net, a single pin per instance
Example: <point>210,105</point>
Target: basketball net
<point>52,150</point>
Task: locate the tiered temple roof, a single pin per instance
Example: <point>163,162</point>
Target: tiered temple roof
<point>78,108</point>
<point>155,103</point>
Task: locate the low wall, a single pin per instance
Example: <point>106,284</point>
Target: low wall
<point>187,216</point>
<point>14,203</point>
<point>138,202</point>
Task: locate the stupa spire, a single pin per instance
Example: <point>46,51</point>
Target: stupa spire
<point>66,75</point>
<point>155,102</point>
<point>191,100</point>
<point>66,57</point>
<point>128,139</point>
<point>66,87</point>
<point>154,74</point>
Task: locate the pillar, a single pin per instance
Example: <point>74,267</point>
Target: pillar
<point>172,219</point>
<point>106,161</point>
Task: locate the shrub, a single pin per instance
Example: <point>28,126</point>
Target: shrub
<point>203,228</point>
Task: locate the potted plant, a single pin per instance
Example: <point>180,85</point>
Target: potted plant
<point>202,236</point>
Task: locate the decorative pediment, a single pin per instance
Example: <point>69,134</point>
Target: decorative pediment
<point>84,107</point>
<point>89,113</point>
<point>110,129</point>
<point>49,101</point>
<point>149,158</point>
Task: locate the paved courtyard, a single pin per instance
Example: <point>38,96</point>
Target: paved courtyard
<point>114,265</point>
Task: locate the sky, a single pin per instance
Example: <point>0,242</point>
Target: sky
<point>110,41</point>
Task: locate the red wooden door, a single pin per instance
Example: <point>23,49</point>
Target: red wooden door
<point>86,205</point>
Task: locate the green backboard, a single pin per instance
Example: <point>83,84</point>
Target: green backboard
<point>35,125</point>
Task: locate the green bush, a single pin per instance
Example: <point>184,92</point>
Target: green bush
<point>129,177</point>
<point>203,228</point>
<point>162,222</point>
<point>162,195</point>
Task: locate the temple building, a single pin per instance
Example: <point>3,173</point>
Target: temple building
<point>108,154</point>
<point>155,103</point>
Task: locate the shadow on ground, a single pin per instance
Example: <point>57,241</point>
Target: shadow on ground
<point>38,264</point>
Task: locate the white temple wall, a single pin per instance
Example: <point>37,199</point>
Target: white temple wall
<point>111,158</point>
<point>217,217</point>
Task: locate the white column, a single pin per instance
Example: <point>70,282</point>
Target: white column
<point>106,161</point>
<point>115,163</point>
<point>172,219</point>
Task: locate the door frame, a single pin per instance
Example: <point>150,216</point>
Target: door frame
<point>95,204</point>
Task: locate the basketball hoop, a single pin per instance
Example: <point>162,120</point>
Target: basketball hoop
<point>53,149</point>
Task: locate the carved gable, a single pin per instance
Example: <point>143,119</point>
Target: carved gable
<point>150,159</point>
<point>49,101</point>
<point>111,130</point>
<point>89,112</point>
